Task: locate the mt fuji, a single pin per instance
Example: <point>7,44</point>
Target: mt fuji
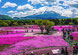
<point>46,15</point>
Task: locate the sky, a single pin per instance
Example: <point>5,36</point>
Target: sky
<point>23,8</point>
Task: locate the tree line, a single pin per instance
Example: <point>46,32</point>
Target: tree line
<point>72,21</point>
<point>43,24</point>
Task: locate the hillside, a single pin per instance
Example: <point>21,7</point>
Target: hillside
<point>5,17</point>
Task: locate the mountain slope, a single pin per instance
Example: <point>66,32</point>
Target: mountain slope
<point>5,17</point>
<point>46,15</point>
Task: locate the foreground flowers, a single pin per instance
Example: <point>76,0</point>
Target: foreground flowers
<point>12,38</point>
<point>37,42</point>
<point>75,35</point>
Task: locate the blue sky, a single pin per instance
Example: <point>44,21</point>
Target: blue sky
<point>5,10</point>
<point>23,8</point>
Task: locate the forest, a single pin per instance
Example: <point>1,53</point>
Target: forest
<point>71,21</point>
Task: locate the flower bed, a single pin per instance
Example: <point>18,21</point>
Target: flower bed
<point>35,43</point>
<point>59,28</point>
<point>75,38</point>
<point>12,28</point>
<point>75,34</point>
<point>12,35</point>
<point>12,32</point>
<point>12,38</point>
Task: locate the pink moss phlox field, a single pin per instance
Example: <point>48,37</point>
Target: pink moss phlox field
<point>12,28</point>
<point>12,38</point>
<point>75,38</point>
<point>19,42</point>
<point>59,28</point>
<point>75,35</point>
<point>12,35</point>
<point>13,32</point>
<point>37,42</point>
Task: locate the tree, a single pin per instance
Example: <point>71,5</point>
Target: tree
<point>41,27</point>
<point>40,24</point>
<point>21,24</point>
<point>8,22</point>
<point>3,24</point>
<point>71,23</point>
<point>48,25</point>
<point>15,23</point>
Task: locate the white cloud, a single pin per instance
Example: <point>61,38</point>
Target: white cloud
<point>0,0</point>
<point>70,12</point>
<point>8,4</point>
<point>30,10</point>
<point>58,9</point>
<point>35,1</point>
<point>51,2</point>
<point>19,14</point>
<point>42,2</point>
<point>25,7</point>
<point>12,11</point>
<point>22,14</point>
<point>69,2</point>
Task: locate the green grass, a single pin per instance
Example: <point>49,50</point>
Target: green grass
<point>71,43</point>
<point>44,33</point>
<point>41,33</point>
